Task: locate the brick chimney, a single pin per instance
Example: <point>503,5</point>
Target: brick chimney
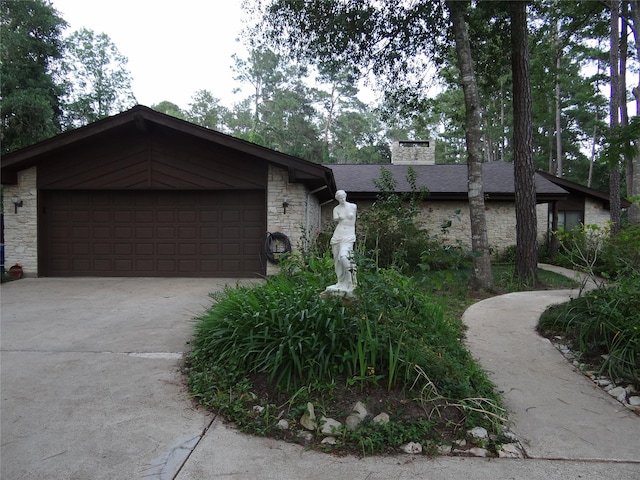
<point>413,152</point>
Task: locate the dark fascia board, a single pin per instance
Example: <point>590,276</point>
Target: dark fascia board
<point>573,186</point>
<point>313,174</point>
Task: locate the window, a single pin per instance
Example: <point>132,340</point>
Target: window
<point>568,219</point>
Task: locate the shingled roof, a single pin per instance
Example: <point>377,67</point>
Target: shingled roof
<point>444,182</point>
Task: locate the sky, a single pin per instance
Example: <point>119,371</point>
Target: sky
<point>174,48</point>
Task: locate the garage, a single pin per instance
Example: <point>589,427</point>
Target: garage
<point>153,233</point>
<point>146,194</point>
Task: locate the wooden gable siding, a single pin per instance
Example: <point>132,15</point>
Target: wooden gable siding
<point>157,159</point>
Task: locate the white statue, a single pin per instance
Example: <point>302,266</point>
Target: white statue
<point>344,236</point>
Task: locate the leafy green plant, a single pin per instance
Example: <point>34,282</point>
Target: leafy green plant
<point>604,326</point>
<point>582,248</point>
<point>621,254</point>
<point>388,230</point>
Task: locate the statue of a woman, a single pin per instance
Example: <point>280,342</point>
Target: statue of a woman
<point>344,236</point>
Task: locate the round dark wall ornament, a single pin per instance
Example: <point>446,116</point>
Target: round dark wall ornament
<point>276,246</point>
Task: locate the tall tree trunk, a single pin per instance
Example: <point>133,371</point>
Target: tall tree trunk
<point>633,179</point>
<point>526,269</point>
<point>594,142</point>
<point>502,122</point>
<point>482,277</point>
<point>560,160</point>
<point>614,61</point>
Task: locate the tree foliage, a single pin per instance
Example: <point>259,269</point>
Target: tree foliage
<point>30,49</point>
<point>98,80</point>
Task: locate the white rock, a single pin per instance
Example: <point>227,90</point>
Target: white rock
<point>444,449</point>
<point>411,448</point>
<point>306,436</point>
<point>283,424</point>
<point>478,433</point>
<point>510,450</point>
<point>329,440</point>
<point>353,422</point>
<point>619,393</point>
<point>603,382</point>
<point>460,443</point>
<point>479,452</point>
<point>381,418</point>
<point>360,410</point>
<point>329,425</point>
<point>630,389</point>
<point>634,401</point>
<point>510,435</point>
<point>258,409</point>
<point>308,419</point>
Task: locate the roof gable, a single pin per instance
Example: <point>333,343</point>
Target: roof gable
<point>142,119</point>
<point>574,187</point>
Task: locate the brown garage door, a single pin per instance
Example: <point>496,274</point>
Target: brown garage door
<point>153,233</point>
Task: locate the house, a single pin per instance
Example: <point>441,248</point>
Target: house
<point>583,205</point>
<point>146,194</point>
<point>447,198</point>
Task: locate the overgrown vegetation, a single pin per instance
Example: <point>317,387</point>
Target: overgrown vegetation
<point>391,338</point>
<point>261,353</point>
<point>603,325</point>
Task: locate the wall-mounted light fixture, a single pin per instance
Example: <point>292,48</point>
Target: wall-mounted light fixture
<point>17,202</point>
<point>285,203</point>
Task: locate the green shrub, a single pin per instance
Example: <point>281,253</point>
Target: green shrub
<point>286,329</point>
<point>621,254</point>
<point>604,325</point>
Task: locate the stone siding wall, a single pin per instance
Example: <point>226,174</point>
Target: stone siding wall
<point>21,228</point>
<point>501,222</point>
<point>595,213</point>
<point>302,220</point>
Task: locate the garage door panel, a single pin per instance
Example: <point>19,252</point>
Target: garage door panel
<point>154,233</point>
<point>123,216</point>
<point>165,216</point>
<point>123,249</point>
<point>76,215</point>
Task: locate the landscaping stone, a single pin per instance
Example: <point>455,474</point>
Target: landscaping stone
<point>478,434</point>
<point>382,418</point>
<point>479,452</point>
<point>619,393</point>
<point>306,437</point>
<point>329,425</point>
<point>444,449</point>
<point>634,401</point>
<point>510,450</point>
<point>353,422</point>
<point>329,440</point>
<point>308,419</point>
<point>360,410</point>
<point>283,424</point>
<point>411,448</point>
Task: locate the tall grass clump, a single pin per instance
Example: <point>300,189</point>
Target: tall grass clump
<point>604,324</point>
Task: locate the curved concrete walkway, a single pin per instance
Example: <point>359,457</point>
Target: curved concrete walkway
<point>556,411</point>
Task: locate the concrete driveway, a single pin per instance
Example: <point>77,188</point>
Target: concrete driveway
<point>91,390</point>
<point>90,382</point>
